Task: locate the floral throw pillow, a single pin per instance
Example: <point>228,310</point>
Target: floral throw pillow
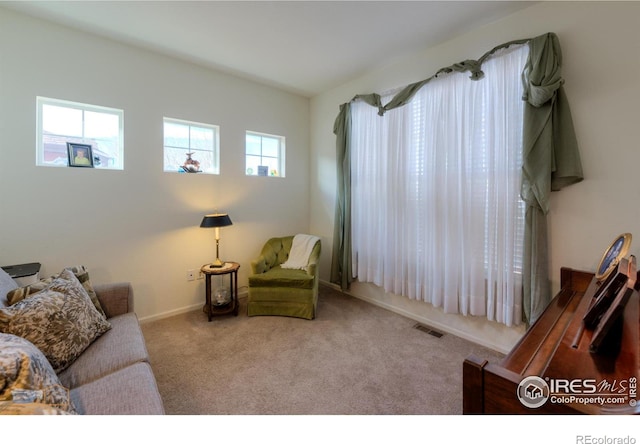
<point>28,383</point>
<point>31,408</point>
<point>18,294</point>
<point>60,320</point>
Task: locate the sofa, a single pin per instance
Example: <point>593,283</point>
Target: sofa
<point>275,290</point>
<point>105,371</point>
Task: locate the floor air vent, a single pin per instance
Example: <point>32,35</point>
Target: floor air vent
<point>428,330</point>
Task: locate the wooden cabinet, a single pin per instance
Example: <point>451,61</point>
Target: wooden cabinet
<point>556,349</point>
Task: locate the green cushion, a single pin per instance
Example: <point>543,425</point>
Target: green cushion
<point>274,252</point>
<point>281,277</point>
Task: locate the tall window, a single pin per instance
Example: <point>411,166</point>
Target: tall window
<point>60,121</point>
<point>196,142</point>
<point>264,154</point>
<point>436,208</point>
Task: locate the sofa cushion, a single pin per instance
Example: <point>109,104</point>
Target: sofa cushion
<point>281,277</point>
<point>79,271</point>
<point>7,284</point>
<point>26,377</point>
<point>129,391</point>
<point>60,320</point>
<point>121,346</point>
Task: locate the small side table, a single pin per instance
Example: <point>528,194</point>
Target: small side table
<point>230,268</point>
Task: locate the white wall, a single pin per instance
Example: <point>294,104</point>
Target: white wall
<point>140,224</point>
<point>600,45</point>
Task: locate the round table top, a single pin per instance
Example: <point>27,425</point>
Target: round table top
<point>228,267</point>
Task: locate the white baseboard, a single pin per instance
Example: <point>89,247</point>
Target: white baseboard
<point>423,320</point>
<point>167,314</point>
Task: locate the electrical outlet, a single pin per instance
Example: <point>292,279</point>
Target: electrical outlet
<point>191,275</point>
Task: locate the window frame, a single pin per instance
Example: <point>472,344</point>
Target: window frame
<point>83,107</point>
<point>281,158</point>
<point>192,124</point>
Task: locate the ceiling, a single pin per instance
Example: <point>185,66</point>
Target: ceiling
<point>305,47</point>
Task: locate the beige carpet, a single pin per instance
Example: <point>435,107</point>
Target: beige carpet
<point>353,359</point>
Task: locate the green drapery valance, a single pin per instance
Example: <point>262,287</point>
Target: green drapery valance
<point>551,160</point>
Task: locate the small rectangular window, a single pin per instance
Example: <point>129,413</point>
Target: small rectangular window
<point>61,121</point>
<point>191,147</point>
<point>265,155</point>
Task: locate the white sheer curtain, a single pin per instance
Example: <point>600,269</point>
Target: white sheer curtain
<point>436,208</point>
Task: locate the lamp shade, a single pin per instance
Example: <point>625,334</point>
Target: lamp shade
<point>215,221</point>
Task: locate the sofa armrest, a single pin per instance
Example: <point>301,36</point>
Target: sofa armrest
<point>259,265</point>
<point>115,298</point>
<point>312,266</point>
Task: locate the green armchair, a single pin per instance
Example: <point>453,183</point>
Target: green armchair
<point>278,291</point>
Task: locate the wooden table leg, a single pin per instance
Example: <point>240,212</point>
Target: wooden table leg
<point>208,296</point>
<point>234,289</point>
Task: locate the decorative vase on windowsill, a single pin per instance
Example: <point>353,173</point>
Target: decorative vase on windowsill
<point>191,165</point>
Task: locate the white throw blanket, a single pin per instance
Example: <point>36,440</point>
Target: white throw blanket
<point>300,251</point>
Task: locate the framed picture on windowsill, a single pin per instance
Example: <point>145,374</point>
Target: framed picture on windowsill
<point>80,155</point>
